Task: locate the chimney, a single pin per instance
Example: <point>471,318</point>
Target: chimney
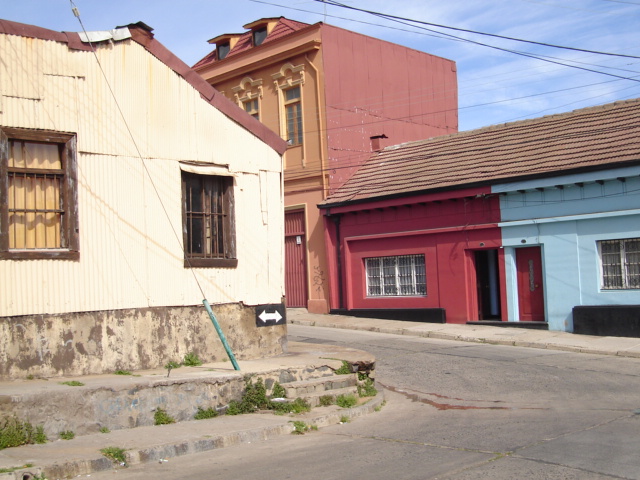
<point>375,142</point>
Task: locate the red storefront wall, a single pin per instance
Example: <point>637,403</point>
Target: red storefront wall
<point>448,233</point>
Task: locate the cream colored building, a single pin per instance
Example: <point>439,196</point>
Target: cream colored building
<point>131,191</point>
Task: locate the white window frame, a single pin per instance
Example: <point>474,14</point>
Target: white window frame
<point>389,283</point>
<point>619,270</point>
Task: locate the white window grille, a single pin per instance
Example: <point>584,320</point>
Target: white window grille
<point>403,275</point>
<point>620,263</point>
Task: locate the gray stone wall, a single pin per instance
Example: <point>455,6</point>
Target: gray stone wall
<point>133,339</point>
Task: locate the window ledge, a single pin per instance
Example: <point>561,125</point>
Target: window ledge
<point>40,255</point>
<point>211,263</point>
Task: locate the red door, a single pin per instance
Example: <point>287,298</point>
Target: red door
<point>530,291</point>
<point>295,264</point>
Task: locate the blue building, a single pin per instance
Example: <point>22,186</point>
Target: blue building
<point>571,238</point>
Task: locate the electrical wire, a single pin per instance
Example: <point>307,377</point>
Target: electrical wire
<point>76,13</point>
<point>458,29</point>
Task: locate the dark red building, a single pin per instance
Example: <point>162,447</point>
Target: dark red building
<point>414,235</point>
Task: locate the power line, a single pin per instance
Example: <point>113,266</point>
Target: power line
<point>458,29</point>
<point>76,13</point>
<point>404,21</point>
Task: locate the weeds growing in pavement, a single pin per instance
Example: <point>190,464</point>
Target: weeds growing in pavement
<point>14,432</point>
<point>345,369</point>
<point>255,398</point>
<point>367,389</point>
<point>161,417</point>
<point>346,400</point>
<point>67,435</point>
<point>300,427</point>
<point>203,414</point>
<point>115,454</point>
<point>191,360</point>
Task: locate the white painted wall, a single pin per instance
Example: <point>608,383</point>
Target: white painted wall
<point>129,254</point>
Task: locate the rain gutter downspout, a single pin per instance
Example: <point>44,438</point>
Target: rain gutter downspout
<point>323,128</point>
<point>336,221</point>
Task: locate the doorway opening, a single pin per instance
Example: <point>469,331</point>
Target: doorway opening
<point>295,250</point>
<point>488,284</point>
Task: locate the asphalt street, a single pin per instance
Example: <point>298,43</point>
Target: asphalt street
<point>454,411</point>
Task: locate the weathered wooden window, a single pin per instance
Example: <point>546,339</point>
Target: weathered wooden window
<point>252,108</point>
<point>403,275</point>
<point>620,263</point>
<point>293,113</point>
<point>208,221</point>
<point>259,35</point>
<point>223,50</point>
<point>38,198</point>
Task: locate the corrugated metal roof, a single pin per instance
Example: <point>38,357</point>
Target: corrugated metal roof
<point>283,28</point>
<point>142,34</point>
<point>589,138</point>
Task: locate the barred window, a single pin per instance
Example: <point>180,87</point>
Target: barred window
<point>620,263</point>
<point>396,276</point>
<point>208,226</point>
<point>38,198</point>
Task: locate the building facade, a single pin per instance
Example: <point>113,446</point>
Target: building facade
<point>331,94</point>
<point>121,213</point>
<point>535,222</point>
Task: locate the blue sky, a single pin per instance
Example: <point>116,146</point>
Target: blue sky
<point>494,86</point>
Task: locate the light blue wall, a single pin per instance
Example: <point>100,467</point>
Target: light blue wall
<point>566,223</point>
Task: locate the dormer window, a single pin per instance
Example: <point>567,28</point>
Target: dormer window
<point>259,35</point>
<point>224,44</point>
<point>223,50</point>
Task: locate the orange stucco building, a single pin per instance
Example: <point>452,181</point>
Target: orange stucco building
<point>333,95</point>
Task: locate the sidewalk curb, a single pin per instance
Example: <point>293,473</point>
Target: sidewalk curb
<point>462,338</point>
<point>163,452</point>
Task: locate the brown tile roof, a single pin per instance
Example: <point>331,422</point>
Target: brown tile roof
<point>143,35</point>
<point>283,28</point>
<point>587,139</point>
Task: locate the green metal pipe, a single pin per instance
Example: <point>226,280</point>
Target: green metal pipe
<point>220,334</point>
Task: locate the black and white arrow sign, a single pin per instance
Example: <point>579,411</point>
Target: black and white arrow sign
<point>265,317</point>
<point>269,315</point>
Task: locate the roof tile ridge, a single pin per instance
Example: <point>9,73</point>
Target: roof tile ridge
<point>295,24</point>
<point>518,123</point>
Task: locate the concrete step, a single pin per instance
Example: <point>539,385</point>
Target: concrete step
<point>114,402</point>
<point>315,399</point>
<point>320,386</point>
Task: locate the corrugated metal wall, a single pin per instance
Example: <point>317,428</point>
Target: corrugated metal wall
<point>129,254</point>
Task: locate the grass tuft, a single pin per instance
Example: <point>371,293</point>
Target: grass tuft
<point>161,417</point>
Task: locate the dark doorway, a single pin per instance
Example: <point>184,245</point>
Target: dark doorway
<point>488,282</point>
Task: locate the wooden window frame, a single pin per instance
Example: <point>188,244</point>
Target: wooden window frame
<point>69,236</point>
<point>257,37</point>
<point>222,50</point>
<point>295,137</point>
<point>228,258</point>
<point>248,106</point>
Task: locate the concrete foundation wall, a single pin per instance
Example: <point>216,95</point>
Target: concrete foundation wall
<point>118,402</point>
<point>133,339</point>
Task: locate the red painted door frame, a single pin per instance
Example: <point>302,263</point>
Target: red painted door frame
<point>530,288</point>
